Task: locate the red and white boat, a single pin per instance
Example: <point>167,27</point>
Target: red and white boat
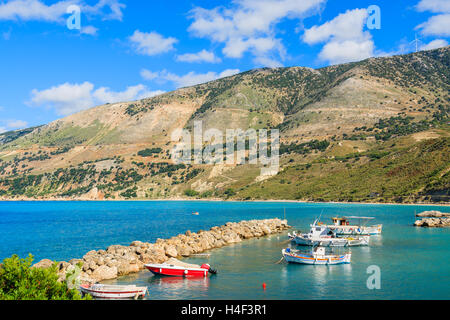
<point>103,291</point>
<point>176,268</point>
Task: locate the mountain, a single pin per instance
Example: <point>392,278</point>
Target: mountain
<point>375,130</point>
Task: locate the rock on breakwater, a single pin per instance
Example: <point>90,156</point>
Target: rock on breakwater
<point>433,219</point>
<point>119,260</point>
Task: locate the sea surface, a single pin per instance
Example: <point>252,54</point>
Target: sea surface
<point>414,263</point>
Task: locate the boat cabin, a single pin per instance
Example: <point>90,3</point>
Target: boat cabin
<point>340,221</point>
<point>345,221</point>
<point>319,231</point>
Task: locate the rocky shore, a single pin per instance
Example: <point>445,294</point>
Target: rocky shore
<point>118,260</point>
<point>433,219</point>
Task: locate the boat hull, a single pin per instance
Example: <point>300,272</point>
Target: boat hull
<point>355,230</point>
<point>176,271</point>
<point>310,259</point>
<point>328,242</point>
<point>106,293</point>
<point>358,241</point>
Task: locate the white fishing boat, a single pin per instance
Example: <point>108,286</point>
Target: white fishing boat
<point>103,291</point>
<point>354,241</point>
<point>323,236</point>
<point>317,255</point>
<point>342,226</point>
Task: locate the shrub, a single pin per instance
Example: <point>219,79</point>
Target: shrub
<point>18,281</point>
<point>191,193</point>
<point>149,152</point>
<point>230,192</point>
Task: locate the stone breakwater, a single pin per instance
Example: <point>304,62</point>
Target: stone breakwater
<point>118,260</point>
<point>433,219</point>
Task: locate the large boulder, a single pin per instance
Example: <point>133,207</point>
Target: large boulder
<point>75,261</point>
<point>124,268</point>
<point>433,222</point>
<point>266,230</point>
<point>433,214</point>
<point>43,264</point>
<point>137,244</point>
<point>104,273</point>
<point>171,251</point>
<point>184,250</point>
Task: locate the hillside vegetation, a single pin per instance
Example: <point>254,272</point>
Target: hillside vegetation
<point>375,130</point>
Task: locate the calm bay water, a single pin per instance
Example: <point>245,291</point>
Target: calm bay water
<point>414,262</point>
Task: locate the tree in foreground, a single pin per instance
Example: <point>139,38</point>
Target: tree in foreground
<point>19,281</point>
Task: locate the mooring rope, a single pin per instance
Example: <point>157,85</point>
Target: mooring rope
<point>278,262</point>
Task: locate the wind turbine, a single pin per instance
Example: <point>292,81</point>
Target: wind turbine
<point>416,41</point>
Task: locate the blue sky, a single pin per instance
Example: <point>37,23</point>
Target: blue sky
<point>127,50</point>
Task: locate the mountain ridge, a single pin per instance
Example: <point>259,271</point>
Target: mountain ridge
<point>353,107</point>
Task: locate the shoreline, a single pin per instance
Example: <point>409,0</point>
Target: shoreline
<point>119,260</point>
<point>444,204</point>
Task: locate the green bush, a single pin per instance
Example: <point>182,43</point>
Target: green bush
<point>230,192</point>
<point>149,152</point>
<point>18,281</point>
<point>191,193</point>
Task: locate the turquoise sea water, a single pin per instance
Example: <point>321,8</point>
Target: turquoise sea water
<point>414,262</point>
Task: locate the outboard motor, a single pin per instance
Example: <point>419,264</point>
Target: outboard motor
<point>210,270</point>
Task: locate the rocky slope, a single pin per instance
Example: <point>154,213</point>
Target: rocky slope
<point>339,113</point>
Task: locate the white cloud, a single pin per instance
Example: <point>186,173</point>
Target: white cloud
<point>149,75</point>
<point>69,98</point>
<point>202,56</point>
<point>249,25</point>
<point>435,6</point>
<point>8,125</point>
<point>108,9</point>
<point>346,26</point>
<point>140,91</point>
<point>347,51</point>
<point>90,30</point>
<point>438,43</point>
<point>16,124</point>
<point>66,98</point>
<point>267,62</point>
<point>36,10</point>
<point>438,25</point>
<point>190,79</point>
<point>33,10</point>
<point>344,37</point>
<point>151,43</point>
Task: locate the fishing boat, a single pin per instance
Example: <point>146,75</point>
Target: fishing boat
<point>342,226</point>
<point>324,236</point>
<point>174,267</point>
<point>103,291</point>
<point>317,255</point>
<point>292,236</point>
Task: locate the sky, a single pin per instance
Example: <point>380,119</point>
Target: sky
<point>61,57</point>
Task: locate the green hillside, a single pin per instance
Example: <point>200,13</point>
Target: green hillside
<point>418,172</point>
<point>375,130</point>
